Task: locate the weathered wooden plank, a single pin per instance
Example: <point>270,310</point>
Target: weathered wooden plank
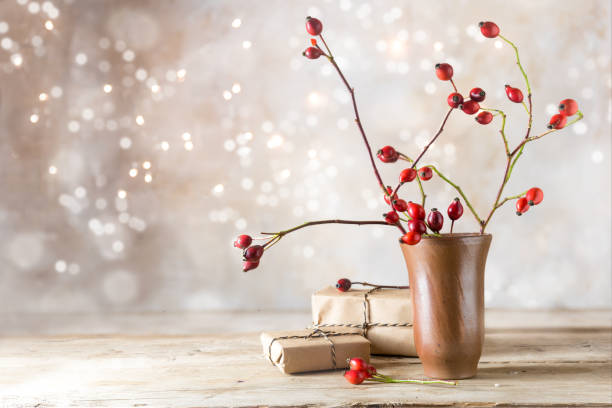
<point>241,322</point>
<point>531,366</point>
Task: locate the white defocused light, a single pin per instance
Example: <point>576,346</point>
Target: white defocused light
<point>140,120</point>
<point>108,88</point>
<point>229,145</point>
<point>74,126</point>
<point>49,25</point>
<point>34,118</point>
<point>246,183</point>
<point>81,58</point>
<point>118,246</point>
<point>57,92</point>
<point>218,190</point>
<point>580,128</point>
<point>121,194</point>
<point>52,170</point>
<point>246,45</point>
<point>17,59</point>
<point>275,141</point>
<point>597,156</point>
<point>61,266</point>
<point>236,88</point>
<point>236,23</point>
<point>125,142</point>
<point>34,7</point>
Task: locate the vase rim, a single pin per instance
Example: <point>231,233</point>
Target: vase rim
<point>454,237</point>
<point>458,235</point>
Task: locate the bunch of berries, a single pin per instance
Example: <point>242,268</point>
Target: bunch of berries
<point>417,226</point>
<point>251,254</point>
<point>533,196</point>
<point>567,108</point>
<point>360,371</point>
<point>407,216</point>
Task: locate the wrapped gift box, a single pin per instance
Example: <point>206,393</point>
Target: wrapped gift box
<point>305,350</point>
<point>384,316</point>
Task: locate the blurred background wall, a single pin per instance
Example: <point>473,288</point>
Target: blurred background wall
<point>138,138</point>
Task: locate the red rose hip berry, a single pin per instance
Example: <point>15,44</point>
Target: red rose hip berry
<point>568,107</point>
<point>425,173</point>
<point>514,94</point>
<point>253,253</point>
<point>391,217</point>
<point>387,154</point>
<point>435,219</point>
<point>455,209</point>
<point>470,107</point>
<point>313,26</point>
<point>477,94</point>
<point>388,197</point>
<point>355,377</point>
<point>444,71</point>
<point>411,238</point>
<point>343,285</point>
<point>557,121</point>
<point>243,241</point>
<point>416,211</point>
<point>407,175</point>
<point>489,29</point>
<point>248,265</point>
<point>522,205</point>
<point>534,196</point>
<point>454,100</point>
<point>416,225</point>
<point>358,364</point>
<point>400,205</point>
<point>312,53</point>
<point>484,118</point>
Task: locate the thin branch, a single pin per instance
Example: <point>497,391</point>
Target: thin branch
<point>503,127</point>
<point>433,139</point>
<point>423,195</point>
<point>511,198</point>
<point>357,119</point>
<point>518,62</point>
<point>311,223</point>
<point>532,138</point>
<point>459,190</point>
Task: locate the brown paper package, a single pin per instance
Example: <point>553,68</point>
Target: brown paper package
<point>391,306</point>
<point>314,353</point>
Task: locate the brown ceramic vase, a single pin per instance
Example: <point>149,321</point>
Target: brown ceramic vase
<point>447,281</point>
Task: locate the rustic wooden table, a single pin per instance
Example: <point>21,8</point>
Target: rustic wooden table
<point>199,360</point>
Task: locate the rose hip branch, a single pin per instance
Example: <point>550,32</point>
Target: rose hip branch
<point>418,223</point>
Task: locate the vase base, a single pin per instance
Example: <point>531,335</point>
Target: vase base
<point>445,374</point>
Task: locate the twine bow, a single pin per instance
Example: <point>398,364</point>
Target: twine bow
<point>316,332</point>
